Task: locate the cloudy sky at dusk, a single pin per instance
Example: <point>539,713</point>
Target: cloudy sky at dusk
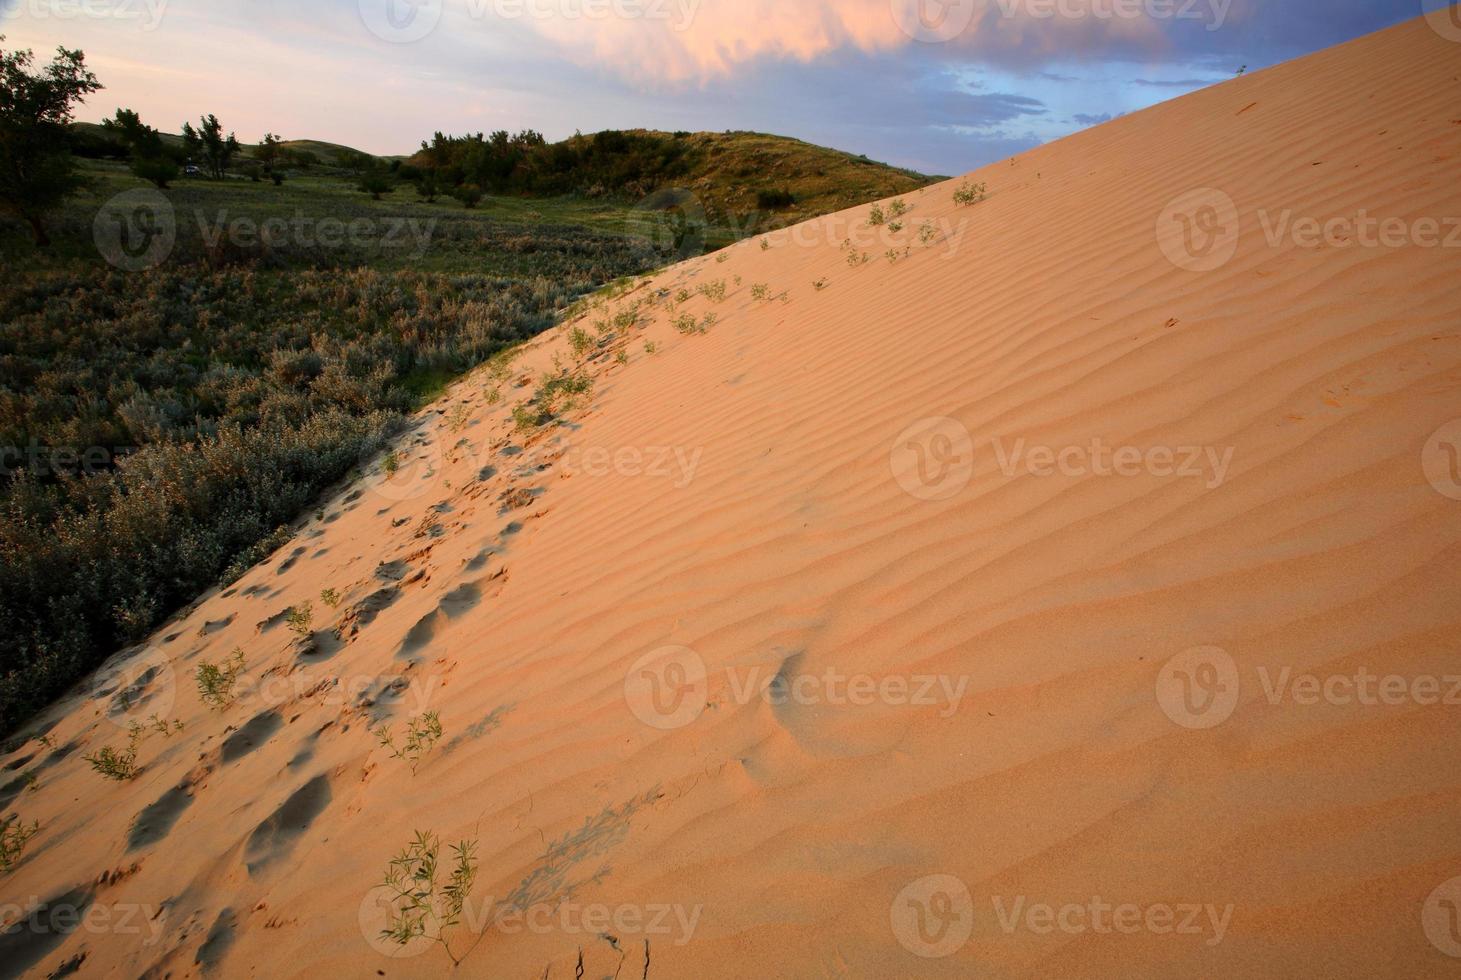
<point>939,86</point>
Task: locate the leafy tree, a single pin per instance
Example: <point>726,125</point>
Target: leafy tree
<point>207,143</point>
<point>375,183</point>
<point>36,169</point>
<point>151,158</point>
<point>270,155</point>
<point>428,187</point>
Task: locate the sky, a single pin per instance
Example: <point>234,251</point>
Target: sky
<point>941,86</point>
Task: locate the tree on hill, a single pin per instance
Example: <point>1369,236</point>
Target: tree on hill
<point>208,144</point>
<point>270,154</point>
<point>151,158</point>
<point>36,169</point>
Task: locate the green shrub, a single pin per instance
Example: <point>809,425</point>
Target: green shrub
<point>14,834</point>
<point>216,681</point>
<point>422,734</point>
<point>425,905</point>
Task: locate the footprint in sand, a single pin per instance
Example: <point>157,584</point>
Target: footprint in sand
<point>276,836</point>
<point>157,819</point>
<point>254,733</point>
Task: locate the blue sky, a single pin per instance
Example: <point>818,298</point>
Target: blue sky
<point>939,85</point>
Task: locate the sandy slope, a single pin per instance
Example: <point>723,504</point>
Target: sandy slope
<point>795,533</point>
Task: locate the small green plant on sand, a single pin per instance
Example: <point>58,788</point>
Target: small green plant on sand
<point>426,906</point>
<point>299,619</point>
<point>120,766</point>
<point>650,347</point>
<point>330,598</point>
<point>765,245</point>
<point>895,226</point>
<point>392,462</point>
<point>897,207</point>
<point>163,728</point>
<point>215,681</point>
<point>14,833</point>
<point>524,419</point>
<point>759,291</point>
<point>422,734</point>
<point>622,357</point>
<point>713,291</point>
<point>875,215</point>
<point>969,193</point>
<point>927,232</point>
<point>580,340</point>
<point>458,417</point>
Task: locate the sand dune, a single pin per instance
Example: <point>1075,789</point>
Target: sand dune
<point>950,619</point>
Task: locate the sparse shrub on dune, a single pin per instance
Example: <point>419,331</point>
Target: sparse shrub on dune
<point>120,766</point>
<point>760,291</point>
<point>422,734</point>
<point>713,291</point>
<point>580,340</point>
<point>216,681</point>
<point>876,216</point>
<point>330,597</point>
<point>14,835</point>
<point>426,905</point>
<point>969,193</point>
<point>897,208</point>
<point>299,618</point>
<point>927,232</point>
